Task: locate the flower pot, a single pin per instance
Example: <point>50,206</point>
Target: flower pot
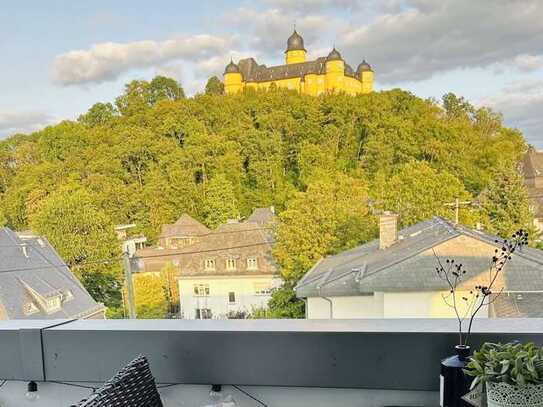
<point>507,395</point>
<point>453,382</point>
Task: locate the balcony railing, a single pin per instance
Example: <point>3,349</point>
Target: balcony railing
<point>316,363</point>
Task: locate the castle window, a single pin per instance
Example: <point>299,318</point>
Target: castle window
<point>232,297</point>
<point>209,264</point>
<point>230,264</point>
<point>252,263</point>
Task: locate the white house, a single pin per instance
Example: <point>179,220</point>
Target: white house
<point>394,276</point>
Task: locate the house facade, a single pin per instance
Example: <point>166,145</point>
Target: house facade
<point>532,169</point>
<point>394,276</point>
<point>35,283</point>
<point>221,273</point>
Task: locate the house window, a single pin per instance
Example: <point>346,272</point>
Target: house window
<point>232,297</point>
<point>209,264</point>
<point>230,264</point>
<point>203,313</point>
<point>201,290</point>
<point>252,263</point>
<point>30,308</point>
<point>53,304</point>
<point>67,296</point>
<point>262,289</point>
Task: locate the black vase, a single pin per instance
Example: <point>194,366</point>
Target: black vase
<point>453,382</point>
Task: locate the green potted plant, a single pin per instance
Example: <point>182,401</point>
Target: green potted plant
<point>512,374</point>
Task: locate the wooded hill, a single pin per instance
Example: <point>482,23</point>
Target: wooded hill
<point>326,164</point>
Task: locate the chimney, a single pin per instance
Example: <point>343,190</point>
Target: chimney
<point>388,229</point>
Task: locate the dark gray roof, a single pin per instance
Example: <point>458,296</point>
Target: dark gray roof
<point>334,55</point>
<point>367,269</point>
<point>532,164</point>
<point>30,267</point>
<point>262,216</point>
<point>231,68</point>
<point>295,42</point>
<point>518,305</point>
<point>364,66</point>
<point>252,72</point>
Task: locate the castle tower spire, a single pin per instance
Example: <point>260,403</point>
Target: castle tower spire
<point>295,52</point>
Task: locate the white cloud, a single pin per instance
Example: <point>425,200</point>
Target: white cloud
<point>528,63</point>
<point>423,37</point>
<point>521,103</point>
<point>12,122</point>
<point>269,29</point>
<point>313,5</point>
<point>107,61</point>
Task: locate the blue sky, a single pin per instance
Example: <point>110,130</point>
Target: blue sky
<point>60,57</point>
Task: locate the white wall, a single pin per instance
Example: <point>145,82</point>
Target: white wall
<point>423,304</point>
<point>219,289</point>
<point>58,395</point>
<point>370,306</point>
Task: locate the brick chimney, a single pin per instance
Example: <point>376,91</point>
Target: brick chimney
<point>388,229</point>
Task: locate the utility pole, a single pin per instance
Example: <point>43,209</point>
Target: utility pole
<point>129,286</point>
<point>456,205</point>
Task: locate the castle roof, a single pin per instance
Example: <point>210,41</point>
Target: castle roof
<point>295,42</point>
<point>252,72</point>
<point>231,68</point>
<point>364,66</point>
<point>334,55</point>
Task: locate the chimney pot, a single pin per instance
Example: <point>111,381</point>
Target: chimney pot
<point>388,229</point>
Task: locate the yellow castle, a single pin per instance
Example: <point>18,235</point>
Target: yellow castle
<point>325,74</point>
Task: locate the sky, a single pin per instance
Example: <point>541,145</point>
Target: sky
<point>58,58</point>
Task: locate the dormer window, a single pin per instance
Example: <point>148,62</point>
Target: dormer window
<point>67,296</point>
<point>30,308</point>
<point>209,264</point>
<point>230,264</point>
<point>252,263</point>
<point>53,303</point>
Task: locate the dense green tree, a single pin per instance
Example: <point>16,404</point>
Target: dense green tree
<point>505,205</point>
<point>84,237</point>
<point>214,86</point>
<point>332,215</point>
<point>417,192</point>
<point>285,304</point>
<point>98,114</point>
<point>139,94</point>
<point>150,297</point>
<point>219,202</point>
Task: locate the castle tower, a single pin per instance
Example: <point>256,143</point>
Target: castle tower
<point>365,74</point>
<point>232,78</point>
<point>335,71</point>
<point>295,52</point>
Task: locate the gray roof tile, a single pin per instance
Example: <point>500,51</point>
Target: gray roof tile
<point>32,264</point>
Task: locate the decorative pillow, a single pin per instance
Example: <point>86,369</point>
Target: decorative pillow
<point>132,386</point>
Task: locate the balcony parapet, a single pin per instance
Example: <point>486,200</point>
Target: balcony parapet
<point>382,354</point>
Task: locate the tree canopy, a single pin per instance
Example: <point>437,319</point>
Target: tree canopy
<point>326,163</point>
